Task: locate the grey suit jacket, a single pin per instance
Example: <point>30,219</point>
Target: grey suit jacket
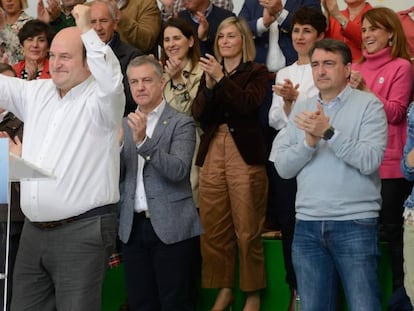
<point>168,154</point>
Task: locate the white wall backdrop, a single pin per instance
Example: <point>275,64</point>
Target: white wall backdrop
<point>396,5</point>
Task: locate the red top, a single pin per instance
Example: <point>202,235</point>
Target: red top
<point>407,21</point>
<point>18,68</point>
<point>351,35</point>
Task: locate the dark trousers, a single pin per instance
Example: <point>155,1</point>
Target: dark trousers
<point>394,192</point>
<point>15,231</point>
<point>284,192</point>
<point>63,268</point>
<point>280,210</point>
<point>158,276</point>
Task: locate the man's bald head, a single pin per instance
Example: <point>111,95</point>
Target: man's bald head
<point>68,67</point>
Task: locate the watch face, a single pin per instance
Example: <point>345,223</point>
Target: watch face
<point>328,133</point>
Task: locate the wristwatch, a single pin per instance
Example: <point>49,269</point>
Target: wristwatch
<point>327,135</point>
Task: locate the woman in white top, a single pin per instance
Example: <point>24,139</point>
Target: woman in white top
<point>295,82</point>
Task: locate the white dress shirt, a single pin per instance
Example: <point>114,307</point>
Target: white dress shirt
<point>75,138</point>
<point>141,204</point>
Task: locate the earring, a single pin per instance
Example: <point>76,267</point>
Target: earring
<point>390,42</point>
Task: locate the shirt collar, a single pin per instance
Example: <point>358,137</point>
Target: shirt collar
<point>157,111</point>
<point>78,90</point>
<point>187,71</point>
<point>206,13</point>
<point>338,99</point>
<point>247,66</point>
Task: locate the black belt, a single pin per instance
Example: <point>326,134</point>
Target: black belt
<point>97,211</point>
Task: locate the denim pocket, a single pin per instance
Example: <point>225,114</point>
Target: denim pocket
<point>366,221</point>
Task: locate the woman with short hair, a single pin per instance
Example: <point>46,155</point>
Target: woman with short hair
<point>35,37</point>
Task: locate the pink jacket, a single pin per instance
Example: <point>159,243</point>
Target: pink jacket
<point>391,81</point>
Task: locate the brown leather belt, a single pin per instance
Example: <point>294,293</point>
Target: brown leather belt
<point>97,211</point>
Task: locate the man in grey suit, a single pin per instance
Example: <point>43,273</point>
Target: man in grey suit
<point>158,221</point>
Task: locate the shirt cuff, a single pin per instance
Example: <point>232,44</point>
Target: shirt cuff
<point>282,16</point>
<point>91,39</point>
<point>141,143</point>
<point>260,27</point>
<point>407,168</point>
<point>309,147</point>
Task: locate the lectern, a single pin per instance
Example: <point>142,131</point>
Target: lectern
<point>13,168</point>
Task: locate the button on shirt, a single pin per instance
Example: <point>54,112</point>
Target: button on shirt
<point>75,138</point>
<point>140,196</point>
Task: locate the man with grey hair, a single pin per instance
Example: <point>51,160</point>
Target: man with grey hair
<point>158,218</point>
<point>104,21</point>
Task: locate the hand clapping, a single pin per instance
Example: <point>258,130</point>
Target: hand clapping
<point>287,90</point>
<point>137,121</point>
<point>173,67</point>
<point>213,70</point>
<point>314,123</point>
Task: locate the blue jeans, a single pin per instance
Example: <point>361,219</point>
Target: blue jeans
<point>325,252</point>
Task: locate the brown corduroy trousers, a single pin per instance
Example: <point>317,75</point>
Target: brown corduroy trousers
<point>232,198</point>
